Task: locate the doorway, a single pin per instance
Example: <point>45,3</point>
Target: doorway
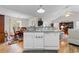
<point>1,28</point>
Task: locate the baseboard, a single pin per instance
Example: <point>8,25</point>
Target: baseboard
<point>40,51</point>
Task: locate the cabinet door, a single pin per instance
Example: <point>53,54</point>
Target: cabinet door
<point>52,39</point>
<point>38,41</point>
<point>29,40</point>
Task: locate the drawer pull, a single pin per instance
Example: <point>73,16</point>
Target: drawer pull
<point>39,36</point>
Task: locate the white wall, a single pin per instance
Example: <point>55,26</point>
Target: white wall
<point>7,24</point>
<point>56,25</point>
<point>76,25</point>
<point>25,22</point>
<point>33,21</point>
<point>12,13</point>
<point>10,22</point>
<point>13,16</point>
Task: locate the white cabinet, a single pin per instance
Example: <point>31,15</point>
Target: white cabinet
<point>28,40</point>
<point>41,40</point>
<point>51,40</point>
<point>33,40</point>
<point>38,41</point>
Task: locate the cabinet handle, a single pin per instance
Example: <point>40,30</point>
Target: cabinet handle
<point>39,36</point>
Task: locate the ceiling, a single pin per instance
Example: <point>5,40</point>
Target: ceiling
<point>31,9</point>
<point>74,16</point>
<point>53,12</point>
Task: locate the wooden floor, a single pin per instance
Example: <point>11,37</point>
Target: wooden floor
<point>18,47</point>
<point>65,47</point>
<point>13,48</point>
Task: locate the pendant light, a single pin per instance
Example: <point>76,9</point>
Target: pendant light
<point>41,10</point>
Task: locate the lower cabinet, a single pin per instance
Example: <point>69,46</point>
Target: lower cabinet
<point>40,40</point>
<point>33,40</point>
<point>51,41</point>
<point>28,40</point>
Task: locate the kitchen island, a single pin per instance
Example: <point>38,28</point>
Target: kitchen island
<point>41,40</point>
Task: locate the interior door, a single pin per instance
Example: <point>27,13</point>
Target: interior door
<point>1,28</point>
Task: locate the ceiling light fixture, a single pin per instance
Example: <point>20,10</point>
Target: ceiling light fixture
<point>68,14</point>
<point>40,10</point>
<point>68,11</point>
